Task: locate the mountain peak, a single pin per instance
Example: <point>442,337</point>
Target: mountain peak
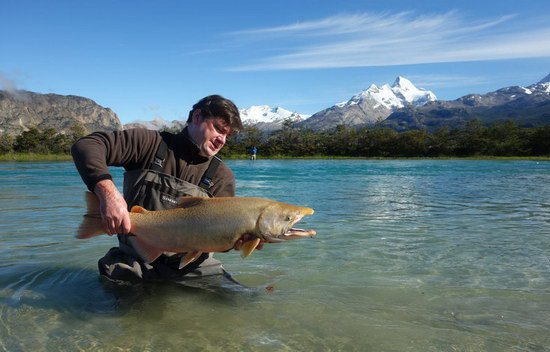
<point>407,91</point>
<point>266,114</point>
<point>403,83</point>
<point>402,92</point>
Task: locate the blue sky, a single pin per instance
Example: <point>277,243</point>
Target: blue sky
<point>147,59</point>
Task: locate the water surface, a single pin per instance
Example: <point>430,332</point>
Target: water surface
<point>411,255</point>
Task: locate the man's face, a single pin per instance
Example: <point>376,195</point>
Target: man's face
<point>209,134</point>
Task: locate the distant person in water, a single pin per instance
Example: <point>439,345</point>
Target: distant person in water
<point>253,152</point>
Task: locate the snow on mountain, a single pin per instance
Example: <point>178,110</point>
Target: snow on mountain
<point>543,86</point>
<point>382,96</point>
<point>267,114</point>
<point>262,116</point>
<point>370,106</point>
<point>403,88</point>
<point>400,94</point>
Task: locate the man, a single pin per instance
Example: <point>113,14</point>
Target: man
<point>160,168</point>
<point>253,152</point>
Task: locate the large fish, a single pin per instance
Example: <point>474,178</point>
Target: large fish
<point>200,225</point>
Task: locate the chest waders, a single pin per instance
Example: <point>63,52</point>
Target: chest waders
<point>155,190</point>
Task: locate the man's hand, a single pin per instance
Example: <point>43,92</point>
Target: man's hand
<point>113,208</point>
<point>246,238</point>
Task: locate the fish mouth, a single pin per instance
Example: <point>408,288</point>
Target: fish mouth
<point>298,233</point>
<point>289,234</point>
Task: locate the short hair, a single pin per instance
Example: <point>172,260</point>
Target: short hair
<point>216,106</point>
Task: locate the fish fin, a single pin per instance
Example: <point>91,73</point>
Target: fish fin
<point>189,258</point>
<point>188,202</point>
<point>249,246</point>
<point>92,224</point>
<point>146,251</point>
<point>138,209</point>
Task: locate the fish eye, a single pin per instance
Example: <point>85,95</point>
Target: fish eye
<point>288,218</point>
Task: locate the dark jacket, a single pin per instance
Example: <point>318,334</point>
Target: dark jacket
<point>135,149</point>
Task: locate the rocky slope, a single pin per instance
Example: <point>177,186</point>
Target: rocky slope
<point>21,110</point>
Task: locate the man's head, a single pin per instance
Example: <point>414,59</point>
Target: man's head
<point>211,121</point>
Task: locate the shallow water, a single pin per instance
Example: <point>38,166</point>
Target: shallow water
<point>416,255</point>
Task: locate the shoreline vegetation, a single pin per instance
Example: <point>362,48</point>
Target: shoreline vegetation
<point>500,140</point>
<point>34,157</point>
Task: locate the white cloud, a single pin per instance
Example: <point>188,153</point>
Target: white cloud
<point>449,80</point>
<point>360,40</point>
<point>7,83</point>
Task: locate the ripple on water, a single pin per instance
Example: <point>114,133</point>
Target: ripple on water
<point>410,255</point>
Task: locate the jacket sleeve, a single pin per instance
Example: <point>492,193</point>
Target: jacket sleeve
<point>93,154</point>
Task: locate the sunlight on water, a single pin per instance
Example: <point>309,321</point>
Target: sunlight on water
<point>411,255</point>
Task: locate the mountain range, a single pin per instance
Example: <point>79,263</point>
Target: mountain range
<point>263,117</point>
<point>401,106</point>
<point>370,106</point>
<point>527,106</point>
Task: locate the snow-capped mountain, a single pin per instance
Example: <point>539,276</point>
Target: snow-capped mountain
<point>527,106</point>
<point>403,106</point>
<point>400,94</point>
<point>267,118</point>
<point>370,106</point>
<point>261,116</point>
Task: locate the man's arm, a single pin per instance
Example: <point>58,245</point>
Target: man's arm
<point>90,154</point>
<point>94,154</point>
<point>113,208</point>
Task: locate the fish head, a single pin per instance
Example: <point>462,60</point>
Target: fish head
<point>276,221</point>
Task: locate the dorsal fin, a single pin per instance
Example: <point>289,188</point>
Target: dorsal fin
<point>188,202</point>
<point>138,209</point>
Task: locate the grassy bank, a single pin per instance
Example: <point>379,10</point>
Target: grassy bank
<point>34,157</point>
<point>22,157</point>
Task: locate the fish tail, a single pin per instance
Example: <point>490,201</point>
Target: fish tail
<point>92,224</point>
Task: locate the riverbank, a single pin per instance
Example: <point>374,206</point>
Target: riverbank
<point>23,157</point>
<point>33,157</point>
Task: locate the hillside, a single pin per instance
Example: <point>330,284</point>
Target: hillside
<point>21,110</point>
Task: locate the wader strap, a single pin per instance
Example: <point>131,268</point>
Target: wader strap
<point>160,156</point>
<point>206,181</point>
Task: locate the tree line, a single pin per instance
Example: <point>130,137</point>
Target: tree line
<point>47,141</point>
<point>475,139</point>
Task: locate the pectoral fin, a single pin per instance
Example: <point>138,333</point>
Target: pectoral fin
<point>189,258</point>
<point>248,247</point>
